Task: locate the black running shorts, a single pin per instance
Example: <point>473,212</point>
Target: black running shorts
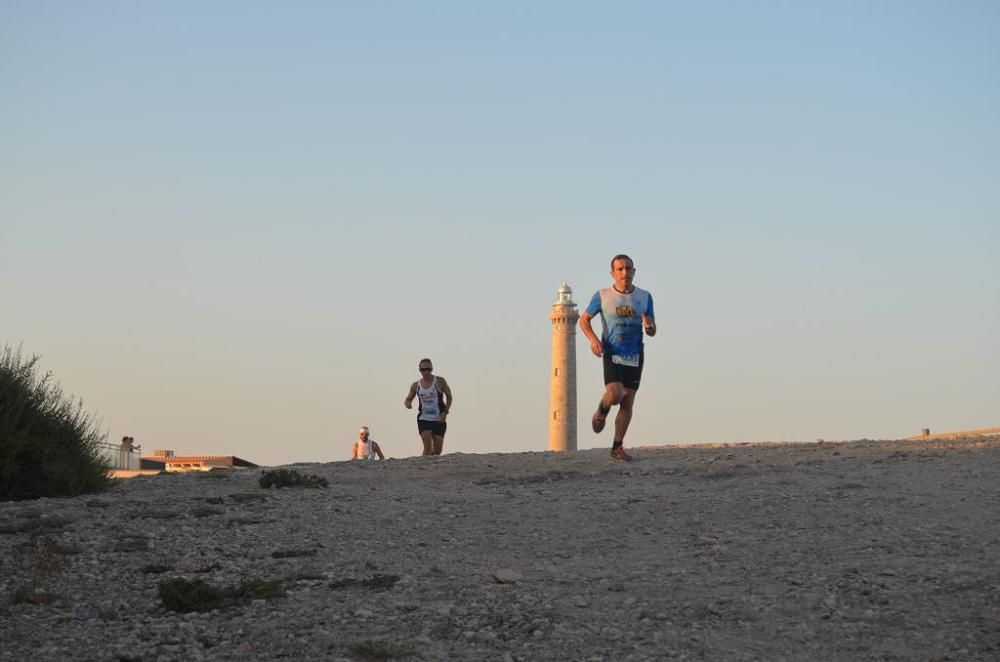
<point>627,375</point>
<point>437,428</point>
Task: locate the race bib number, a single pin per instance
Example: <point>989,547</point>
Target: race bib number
<point>630,360</point>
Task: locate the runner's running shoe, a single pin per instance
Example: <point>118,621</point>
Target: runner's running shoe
<point>620,455</point>
<point>599,418</point>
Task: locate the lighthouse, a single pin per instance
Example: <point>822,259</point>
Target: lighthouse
<point>562,414</point>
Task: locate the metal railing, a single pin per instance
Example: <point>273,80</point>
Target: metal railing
<point>119,457</point>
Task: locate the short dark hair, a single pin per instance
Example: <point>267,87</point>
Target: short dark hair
<point>425,361</point>
<point>622,256</point>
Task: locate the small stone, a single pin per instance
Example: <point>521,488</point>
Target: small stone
<point>507,576</point>
<point>611,634</point>
<point>580,601</point>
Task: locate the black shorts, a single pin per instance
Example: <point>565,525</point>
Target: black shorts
<point>629,376</point>
<point>437,428</point>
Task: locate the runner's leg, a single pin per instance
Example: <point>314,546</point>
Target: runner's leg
<point>427,437</point>
<point>613,394</point>
<point>624,416</point>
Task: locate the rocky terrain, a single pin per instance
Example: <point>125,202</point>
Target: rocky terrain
<point>863,550</point>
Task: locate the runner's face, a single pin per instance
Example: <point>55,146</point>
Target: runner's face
<point>425,369</point>
<point>623,273</point>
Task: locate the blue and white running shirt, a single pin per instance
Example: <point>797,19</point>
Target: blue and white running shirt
<point>621,315</point>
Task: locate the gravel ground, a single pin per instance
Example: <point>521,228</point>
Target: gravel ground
<point>863,550</point>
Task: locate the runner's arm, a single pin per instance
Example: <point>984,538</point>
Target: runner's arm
<point>408,402</point>
<point>649,318</point>
<point>595,342</point>
<point>650,325</point>
<point>448,399</point>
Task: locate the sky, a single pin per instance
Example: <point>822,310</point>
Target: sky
<point>236,227</point>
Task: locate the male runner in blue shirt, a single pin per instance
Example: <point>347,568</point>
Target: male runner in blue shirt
<point>625,312</point>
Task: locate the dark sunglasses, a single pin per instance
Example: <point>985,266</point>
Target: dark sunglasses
<point>426,369</point>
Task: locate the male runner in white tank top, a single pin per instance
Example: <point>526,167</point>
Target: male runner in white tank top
<point>434,398</point>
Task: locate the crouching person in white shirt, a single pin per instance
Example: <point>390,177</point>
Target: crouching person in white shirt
<point>366,448</point>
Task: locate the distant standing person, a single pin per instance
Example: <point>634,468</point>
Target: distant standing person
<point>434,399</point>
<point>366,448</point>
<point>625,311</point>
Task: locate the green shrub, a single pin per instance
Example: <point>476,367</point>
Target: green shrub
<point>185,595</point>
<point>156,568</point>
<point>292,553</point>
<point>47,558</point>
<point>49,446</point>
<point>383,650</point>
<point>258,589</point>
<point>374,583</point>
<point>290,478</point>
<point>205,511</point>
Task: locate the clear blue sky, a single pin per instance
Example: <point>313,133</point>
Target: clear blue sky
<point>236,227</point>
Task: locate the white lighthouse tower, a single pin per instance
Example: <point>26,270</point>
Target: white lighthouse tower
<point>562,417</point>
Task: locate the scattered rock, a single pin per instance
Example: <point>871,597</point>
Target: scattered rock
<point>507,576</point>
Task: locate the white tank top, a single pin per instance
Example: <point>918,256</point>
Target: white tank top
<point>431,401</point>
<point>365,450</point>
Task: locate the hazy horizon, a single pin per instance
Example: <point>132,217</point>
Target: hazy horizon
<point>236,228</point>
